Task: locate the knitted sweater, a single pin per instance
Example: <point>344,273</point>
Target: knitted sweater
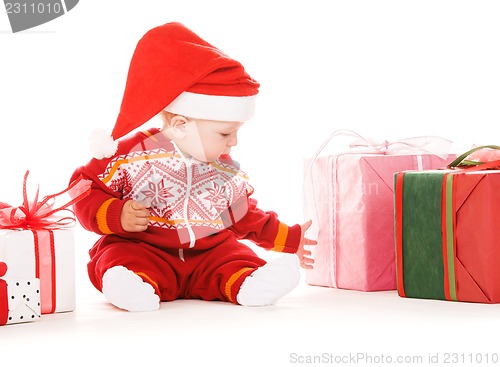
<point>193,204</point>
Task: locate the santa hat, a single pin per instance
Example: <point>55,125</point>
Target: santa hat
<point>173,69</point>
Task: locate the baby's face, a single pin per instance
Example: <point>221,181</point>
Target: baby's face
<point>207,140</point>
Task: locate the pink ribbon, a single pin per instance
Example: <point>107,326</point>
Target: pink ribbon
<point>421,144</point>
<point>434,145</point>
<point>40,215</point>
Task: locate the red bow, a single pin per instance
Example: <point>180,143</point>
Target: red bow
<point>41,215</point>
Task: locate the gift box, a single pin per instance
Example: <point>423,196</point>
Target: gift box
<point>446,234</point>
<point>36,242</point>
<point>19,299</point>
<point>48,255</point>
<point>350,200</point>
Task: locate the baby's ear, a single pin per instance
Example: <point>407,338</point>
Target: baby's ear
<point>177,126</point>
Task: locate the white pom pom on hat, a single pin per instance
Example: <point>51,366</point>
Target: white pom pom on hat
<point>102,145</point>
<point>173,69</point>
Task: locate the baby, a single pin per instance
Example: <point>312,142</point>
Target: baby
<point>170,204</point>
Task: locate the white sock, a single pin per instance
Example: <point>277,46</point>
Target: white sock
<point>125,289</point>
<point>270,282</point>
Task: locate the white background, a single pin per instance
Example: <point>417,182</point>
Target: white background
<point>386,69</point>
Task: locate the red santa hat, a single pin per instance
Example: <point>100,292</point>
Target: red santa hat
<point>173,69</point>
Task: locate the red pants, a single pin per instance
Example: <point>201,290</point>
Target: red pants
<point>213,274</point>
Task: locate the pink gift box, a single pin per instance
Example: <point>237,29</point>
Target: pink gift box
<point>351,203</point>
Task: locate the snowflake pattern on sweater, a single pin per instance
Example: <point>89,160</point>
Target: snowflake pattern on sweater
<point>181,192</point>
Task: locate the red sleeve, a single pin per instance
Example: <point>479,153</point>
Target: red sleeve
<point>264,229</point>
<point>100,211</point>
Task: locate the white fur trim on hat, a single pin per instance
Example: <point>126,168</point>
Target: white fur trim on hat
<point>211,107</point>
<point>102,144</point>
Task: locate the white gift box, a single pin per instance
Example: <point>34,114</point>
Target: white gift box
<point>48,255</point>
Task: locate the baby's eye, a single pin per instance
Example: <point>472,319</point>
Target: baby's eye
<point>224,135</point>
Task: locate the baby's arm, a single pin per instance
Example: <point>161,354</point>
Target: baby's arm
<point>264,229</point>
<point>104,212</point>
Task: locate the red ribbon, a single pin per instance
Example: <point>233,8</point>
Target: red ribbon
<point>41,215</point>
<point>46,269</point>
<point>399,233</point>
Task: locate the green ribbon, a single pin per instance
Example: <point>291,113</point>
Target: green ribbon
<point>462,162</point>
<point>450,237</point>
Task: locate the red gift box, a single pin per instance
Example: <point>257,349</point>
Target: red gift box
<point>446,234</point>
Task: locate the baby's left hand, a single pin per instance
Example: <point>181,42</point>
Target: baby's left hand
<point>306,261</point>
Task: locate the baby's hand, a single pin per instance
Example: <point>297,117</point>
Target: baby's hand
<point>306,261</point>
<point>134,216</point>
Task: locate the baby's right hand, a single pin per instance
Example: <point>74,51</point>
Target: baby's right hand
<point>134,216</point>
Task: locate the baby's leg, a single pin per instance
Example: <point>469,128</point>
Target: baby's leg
<point>130,275</point>
<point>233,272</point>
